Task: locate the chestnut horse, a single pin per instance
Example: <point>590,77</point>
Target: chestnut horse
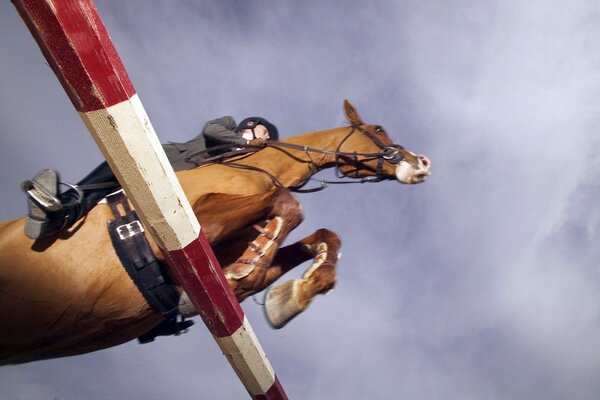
<point>69,294</point>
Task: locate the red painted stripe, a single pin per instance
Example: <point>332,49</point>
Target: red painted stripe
<point>275,392</point>
<point>76,44</point>
<point>198,271</point>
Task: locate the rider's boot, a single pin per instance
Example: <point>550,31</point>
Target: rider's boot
<point>47,216</point>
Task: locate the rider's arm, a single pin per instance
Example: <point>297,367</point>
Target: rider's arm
<point>222,131</point>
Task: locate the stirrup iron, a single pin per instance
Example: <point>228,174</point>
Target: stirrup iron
<point>41,195</point>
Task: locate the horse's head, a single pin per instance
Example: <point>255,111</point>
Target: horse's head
<point>368,150</point>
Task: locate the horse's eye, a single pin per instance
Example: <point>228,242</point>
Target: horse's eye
<point>379,129</point>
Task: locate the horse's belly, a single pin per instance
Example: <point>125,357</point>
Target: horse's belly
<point>71,297</point>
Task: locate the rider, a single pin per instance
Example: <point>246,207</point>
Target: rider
<point>51,212</point>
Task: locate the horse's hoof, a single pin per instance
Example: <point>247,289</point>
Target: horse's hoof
<point>281,303</point>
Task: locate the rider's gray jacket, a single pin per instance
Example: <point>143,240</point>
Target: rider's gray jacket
<point>214,133</point>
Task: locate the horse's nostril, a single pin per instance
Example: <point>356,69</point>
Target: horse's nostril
<point>424,161</point>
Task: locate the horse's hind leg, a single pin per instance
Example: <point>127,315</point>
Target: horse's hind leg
<point>285,301</point>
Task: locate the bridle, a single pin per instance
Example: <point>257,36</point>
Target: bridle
<point>388,153</point>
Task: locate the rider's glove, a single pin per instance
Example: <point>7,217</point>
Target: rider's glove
<point>257,141</point>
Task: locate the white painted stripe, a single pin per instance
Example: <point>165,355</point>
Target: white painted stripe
<point>125,136</point>
<point>248,359</point>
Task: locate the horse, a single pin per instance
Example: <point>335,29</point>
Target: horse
<point>69,294</point>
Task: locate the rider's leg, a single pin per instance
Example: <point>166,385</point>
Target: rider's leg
<point>45,221</point>
<point>74,204</point>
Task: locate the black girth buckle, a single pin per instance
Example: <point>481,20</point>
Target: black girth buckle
<point>149,275</point>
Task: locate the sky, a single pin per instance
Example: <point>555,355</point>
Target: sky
<point>483,283</point>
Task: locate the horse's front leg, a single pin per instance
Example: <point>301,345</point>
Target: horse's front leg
<point>287,300</point>
<point>250,268</point>
<point>231,223</point>
<point>250,272</point>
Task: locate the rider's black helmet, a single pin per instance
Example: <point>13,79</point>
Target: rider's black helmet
<point>251,122</point>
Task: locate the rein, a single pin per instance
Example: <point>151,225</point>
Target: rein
<point>390,153</point>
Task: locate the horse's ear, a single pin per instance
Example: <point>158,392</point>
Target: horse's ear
<point>351,114</point>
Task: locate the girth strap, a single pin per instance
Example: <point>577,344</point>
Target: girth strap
<point>132,247</point>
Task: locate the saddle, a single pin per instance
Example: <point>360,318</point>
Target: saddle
<point>149,275</point>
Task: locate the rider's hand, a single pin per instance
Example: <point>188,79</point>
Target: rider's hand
<point>257,141</point>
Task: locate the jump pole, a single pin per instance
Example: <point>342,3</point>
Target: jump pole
<point>74,40</point>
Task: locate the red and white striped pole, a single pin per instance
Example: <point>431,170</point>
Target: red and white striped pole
<point>75,42</point>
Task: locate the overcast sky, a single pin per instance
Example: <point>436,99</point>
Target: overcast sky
<point>483,283</point>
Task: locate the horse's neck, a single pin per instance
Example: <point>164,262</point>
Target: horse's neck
<point>290,167</point>
<point>293,166</point>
